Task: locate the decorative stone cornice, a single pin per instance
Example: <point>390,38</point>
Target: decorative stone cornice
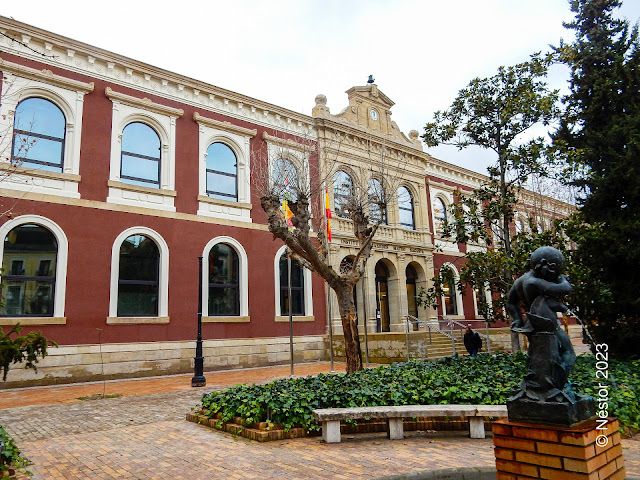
<point>78,57</point>
<point>286,143</point>
<point>145,103</point>
<point>455,174</point>
<point>45,75</point>
<point>226,126</point>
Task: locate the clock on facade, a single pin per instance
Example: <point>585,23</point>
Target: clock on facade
<point>373,114</point>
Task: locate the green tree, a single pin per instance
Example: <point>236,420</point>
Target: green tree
<point>26,348</point>
<point>499,113</point>
<point>599,137</point>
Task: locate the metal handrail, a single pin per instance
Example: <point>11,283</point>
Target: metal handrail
<point>426,324</point>
<point>430,327</point>
<point>486,336</point>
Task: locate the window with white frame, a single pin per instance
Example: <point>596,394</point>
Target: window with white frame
<point>285,179</point>
<point>143,145</point>
<point>44,113</point>
<point>301,291</point>
<point>439,215</point>
<point>343,191</point>
<point>224,167</point>
<point>377,210</point>
<point>34,262</point>
<point>139,278</point>
<point>225,282</point>
<point>451,298</point>
<point>288,166</point>
<point>222,172</point>
<point>140,155</point>
<point>406,209</point>
<point>39,129</point>
<point>482,297</point>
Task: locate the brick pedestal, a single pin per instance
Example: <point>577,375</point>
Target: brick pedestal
<point>535,451</point>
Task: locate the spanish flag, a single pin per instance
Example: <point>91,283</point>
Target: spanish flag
<point>288,214</point>
<point>327,212</point>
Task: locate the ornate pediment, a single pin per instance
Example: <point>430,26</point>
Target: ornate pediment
<point>370,110</point>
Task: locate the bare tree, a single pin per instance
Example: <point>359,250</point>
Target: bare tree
<point>295,175</point>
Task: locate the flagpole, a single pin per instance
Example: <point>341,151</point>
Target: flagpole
<point>290,311</point>
<point>330,319</point>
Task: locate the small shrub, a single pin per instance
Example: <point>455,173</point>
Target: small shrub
<point>485,379</point>
<point>10,457</point>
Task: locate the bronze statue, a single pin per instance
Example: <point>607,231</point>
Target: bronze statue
<point>545,393</point>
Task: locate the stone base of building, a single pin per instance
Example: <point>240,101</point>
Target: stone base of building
<point>86,363</point>
<point>588,451</point>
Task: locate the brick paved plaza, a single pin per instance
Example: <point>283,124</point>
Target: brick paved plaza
<point>145,436</point>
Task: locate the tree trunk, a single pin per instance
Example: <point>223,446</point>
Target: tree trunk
<point>349,327</point>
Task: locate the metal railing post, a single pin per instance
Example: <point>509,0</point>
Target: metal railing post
<point>488,338</point>
<point>453,339</point>
<point>407,336</point>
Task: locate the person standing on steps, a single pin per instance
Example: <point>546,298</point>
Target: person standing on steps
<point>472,341</point>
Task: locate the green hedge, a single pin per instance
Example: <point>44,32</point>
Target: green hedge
<point>11,456</point>
<point>484,379</point>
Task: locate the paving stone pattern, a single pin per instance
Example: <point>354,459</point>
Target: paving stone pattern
<point>146,437</point>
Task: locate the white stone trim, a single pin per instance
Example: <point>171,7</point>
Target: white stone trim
<point>32,321</point>
<point>61,258</point>
<point>162,119</point>
<point>244,279</point>
<point>238,140</point>
<point>226,126</point>
<point>17,88</point>
<point>46,76</point>
<point>163,278</point>
<point>308,290</point>
<point>143,103</point>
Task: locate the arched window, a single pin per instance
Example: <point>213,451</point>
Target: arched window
<point>285,179</point>
<point>224,281</point>
<point>222,172</point>
<point>449,292</point>
<point>29,264</point>
<point>519,226</point>
<point>439,214</point>
<point>39,132</point>
<point>377,210</point>
<point>342,193</point>
<point>297,287</point>
<point>140,159</point>
<point>138,279</point>
<point>405,207</point>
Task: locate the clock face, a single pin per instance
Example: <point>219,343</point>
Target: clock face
<point>373,114</point>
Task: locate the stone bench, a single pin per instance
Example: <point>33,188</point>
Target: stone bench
<point>331,417</point>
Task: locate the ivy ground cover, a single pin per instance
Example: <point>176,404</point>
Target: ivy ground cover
<point>484,380</point>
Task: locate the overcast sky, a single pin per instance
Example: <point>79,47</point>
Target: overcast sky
<point>420,52</point>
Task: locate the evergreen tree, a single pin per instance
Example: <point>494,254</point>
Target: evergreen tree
<point>599,135</point>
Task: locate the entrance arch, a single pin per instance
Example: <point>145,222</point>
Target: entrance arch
<point>383,323</point>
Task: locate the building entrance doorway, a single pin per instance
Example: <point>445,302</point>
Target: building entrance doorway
<point>412,306</point>
<point>382,298</point>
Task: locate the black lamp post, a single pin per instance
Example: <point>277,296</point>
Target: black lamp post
<point>198,379</point>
